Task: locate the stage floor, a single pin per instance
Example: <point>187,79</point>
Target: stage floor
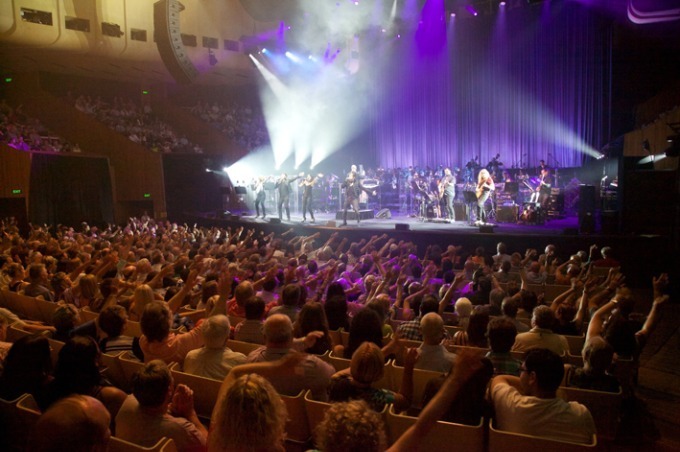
<point>560,226</point>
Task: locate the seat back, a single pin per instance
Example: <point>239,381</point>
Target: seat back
<point>129,365</point>
<point>22,305</point>
<point>242,347</point>
<point>604,406</point>
<point>575,344</point>
<point>315,411</point>
<point>552,291</point>
<point>335,337</point>
<point>297,426</point>
<point>443,436</point>
<point>45,310</point>
<point>86,314</point>
<point>15,332</point>
<point>16,432</point>
<point>132,329</point>
<point>205,389</point>
<point>420,380</point>
<point>120,445</point>
<point>501,441</point>
<point>113,370</point>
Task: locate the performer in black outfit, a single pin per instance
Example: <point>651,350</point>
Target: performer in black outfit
<point>307,185</point>
<point>485,186</point>
<point>353,188</point>
<point>544,187</point>
<point>260,195</point>
<point>447,190</point>
<point>284,188</point>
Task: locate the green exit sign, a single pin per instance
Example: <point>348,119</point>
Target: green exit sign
<point>16,191</point>
<point>147,195</point>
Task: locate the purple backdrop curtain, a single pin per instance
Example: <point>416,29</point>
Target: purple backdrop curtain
<point>529,84</point>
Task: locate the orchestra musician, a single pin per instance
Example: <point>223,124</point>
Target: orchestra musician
<point>544,186</point>
<point>307,185</point>
<point>353,188</point>
<point>447,191</point>
<point>284,188</point>
<point>485,186</point>
<point>260,195</point>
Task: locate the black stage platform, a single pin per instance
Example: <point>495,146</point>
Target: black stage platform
<point>649,252</point>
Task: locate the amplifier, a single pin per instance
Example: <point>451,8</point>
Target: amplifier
<point>507,214</point>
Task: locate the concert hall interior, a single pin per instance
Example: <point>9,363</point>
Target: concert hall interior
<point>411,125</point>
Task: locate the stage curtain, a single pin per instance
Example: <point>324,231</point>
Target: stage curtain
<point>528,84</point>
<point>69,190</point>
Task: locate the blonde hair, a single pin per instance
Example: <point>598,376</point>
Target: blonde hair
<point>483,176</point>
<point>368,363</point>
<point>351,426</point>
<point>252,417</point>
<point>142,296</point>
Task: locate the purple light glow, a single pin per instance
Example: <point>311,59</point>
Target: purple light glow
<point>471,9</point>
<point>501,4</point>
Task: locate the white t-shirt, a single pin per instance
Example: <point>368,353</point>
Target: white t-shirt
<point>547,418</point>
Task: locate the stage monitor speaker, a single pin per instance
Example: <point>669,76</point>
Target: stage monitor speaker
<point>609,221</point>
<point>401,227</point>
<point>274,220</point>
<point>240,190</point>
<point>169,41</point>
<point>331,224</point>
<point>507,214</point>
<point>384,214</point>
<point>586,223</point>
<point>570,231</point>
<point>486,229</point>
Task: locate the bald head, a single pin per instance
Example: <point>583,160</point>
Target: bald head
<point>75,423</point>
<point>278,331</point>
<point>432,327</point>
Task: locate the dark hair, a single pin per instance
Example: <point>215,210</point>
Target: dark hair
<point>155,321</point>
<point>150,383</point>
<point>336,312</point>
<point>547,366</point>
<point>366,326</point>
<point>477,325</point>
<point>313,318</point>
<point>112,320</point>
<point>509,307</point>
<point>429,304</point>
<point>334,289</point>
<point>528,300</point>
<point>254,307</point>
<point>290,296</point>
<point>77,370</point>
<point>26,367</point>
<point>501,332</point>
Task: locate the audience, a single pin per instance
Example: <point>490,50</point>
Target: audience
<point>541,335</point>
<point>214,359</point>
<point>528,404</point>
<point>433,355</point>
<point>157,409</point>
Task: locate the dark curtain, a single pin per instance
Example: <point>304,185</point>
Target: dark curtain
<point>69,190</point>
<point>188,187</point>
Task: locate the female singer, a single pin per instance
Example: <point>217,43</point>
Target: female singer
<point>485,186</point>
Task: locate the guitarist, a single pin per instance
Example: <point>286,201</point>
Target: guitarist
<point>544,187</point>
<point>485,186</point>
<point>447,191</point>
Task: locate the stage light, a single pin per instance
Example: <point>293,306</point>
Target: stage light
<point>207,170</point>
<point>471,9</point>
<point>264,50</point>
<point>225,169</point>
<point>502,3</point>
<point>600,157</point>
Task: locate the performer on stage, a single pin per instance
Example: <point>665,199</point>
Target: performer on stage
<point>485,186</point>
<point>284,188</point>
<point>260,195</point>
<point>447,191</point>
<point>544,186</point>
<point>307,186</point>
<point>353,188</point>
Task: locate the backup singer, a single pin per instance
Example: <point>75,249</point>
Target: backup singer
<point>284,188</point>
<point>307,186</point>
<point>260,195</point>
<point>485,186</point>
<point>544,186</point>
<point>447,190</point>
<point>353,188</point>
